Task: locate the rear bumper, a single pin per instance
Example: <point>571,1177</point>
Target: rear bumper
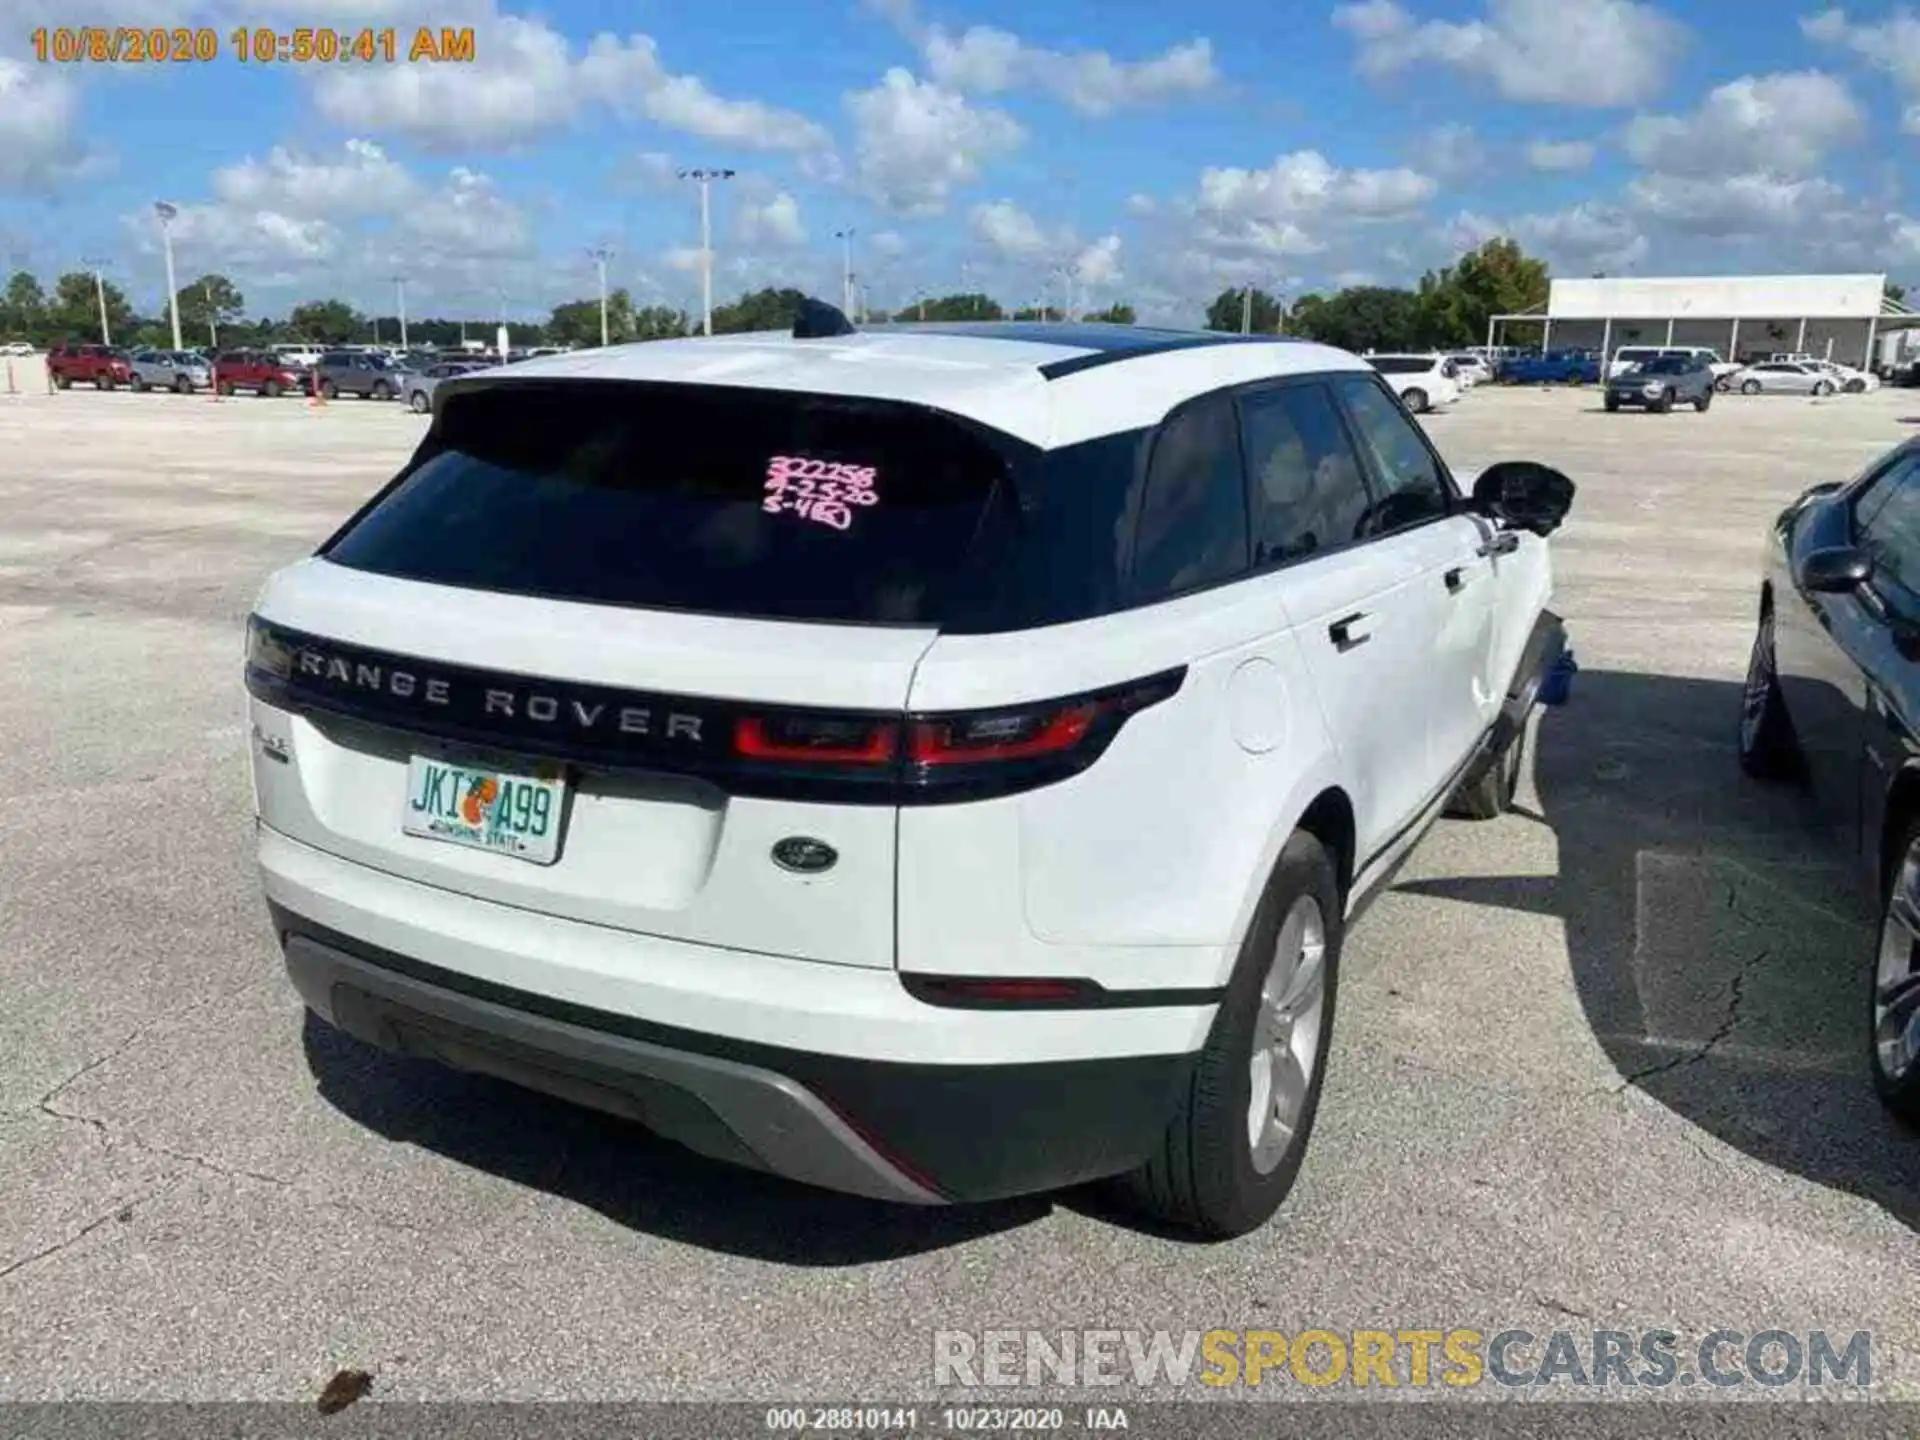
<point>908,1133</point>
<point>829,1074</point>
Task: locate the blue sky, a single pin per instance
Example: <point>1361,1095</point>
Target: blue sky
<point>1148,153</point>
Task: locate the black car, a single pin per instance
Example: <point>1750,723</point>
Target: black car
<point>1833,696</point>
<point>354,372</point>
<point>1662,383</point>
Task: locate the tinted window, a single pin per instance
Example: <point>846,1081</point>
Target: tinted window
<point>1304,482</point>
<point>1888,525</point>
<point>1192,529</point>
<point>1667,365</point>
<point>1411,487</point>
<point>1401,364</point>
<point>671,497</point>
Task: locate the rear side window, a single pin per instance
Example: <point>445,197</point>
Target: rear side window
<point>720,501</point>
<point>1192,529</point>
<point>1304,481</point>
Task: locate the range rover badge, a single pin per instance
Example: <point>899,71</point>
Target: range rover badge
<point>804,855</point>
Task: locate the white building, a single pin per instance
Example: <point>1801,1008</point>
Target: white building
<point>1741,316</point>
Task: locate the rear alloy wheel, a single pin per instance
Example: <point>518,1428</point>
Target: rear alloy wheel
<point>139,384</point>
<point>1767,747</point>
<point>382,390</point>
<point>182,385</point>
<point>1706,399</point>
<point>1856,387</point>
<point>1236,1141</point>
<point>1749,387</point>
<point>103,382</point>
<point>271,389</point>
<point>1894,1041</point>
<point>1415,400</point>
<point>419,403</point>
<point>1822,389</point>
<point>1491,796</point>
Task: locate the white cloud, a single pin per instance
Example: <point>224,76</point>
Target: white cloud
<point>1099,263</point>
<point>1733,206</point>
<point>1014,234</point>
<point>1560,154</point>
<point>889,244</point>
<point>468,218</point>
<point>1587,237</point>
<point>773,222</point>
<point>650,169</point>
<point>916,142</point>
<point>1892,45</point>
<point>1142,204</point>
<point>1780,124</point>
<point>525,83</point>
<point>39,108</point>
<point>1596,52</point>
<point>1305,185</point>
<point>359,180</point>
<point>1450,152</point>
<point>990,61</point>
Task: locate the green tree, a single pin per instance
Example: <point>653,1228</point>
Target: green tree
<point>23,312</point>
<point>576,322</point>
<point>1113,315</point>
<point>1035,312</point>
<point>1365,317</point>
<point>1498,278</point>
<point>331,322</point>
<point>1895,292</point>
<point>659,322</point>
<point>74,313</point>
<point>208,306</point>
<point>1229,307</point>
<point>767,309</point>
<point>971,306</point>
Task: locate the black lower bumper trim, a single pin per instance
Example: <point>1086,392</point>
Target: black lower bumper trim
<point>968,1132</point>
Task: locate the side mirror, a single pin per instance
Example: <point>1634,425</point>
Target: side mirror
<point>1836,570</point>
<point>1523,495</point>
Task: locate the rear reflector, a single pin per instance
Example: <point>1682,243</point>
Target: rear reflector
<point>969,992</point>
<point>816,740</point>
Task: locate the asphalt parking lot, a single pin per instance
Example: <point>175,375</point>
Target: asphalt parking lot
<point>1598,1063</point>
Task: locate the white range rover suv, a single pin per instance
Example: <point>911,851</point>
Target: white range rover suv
<point>937,763</point>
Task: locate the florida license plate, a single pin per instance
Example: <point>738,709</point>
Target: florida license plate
<point>508,813</point>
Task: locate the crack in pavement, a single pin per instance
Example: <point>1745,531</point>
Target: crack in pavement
<point>60,1246</point>
<point>1736,996</point>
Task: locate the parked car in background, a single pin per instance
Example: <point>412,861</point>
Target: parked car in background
<point>260,371</point>
<point>1423,382</point>
<point>1470,369</point>
<point>417,386</point>
<point>180,370</point>
<point>1849,379</point>
<point>1628,356</point>
<point>1661,383</point>
<point>357,372</point>
<point>102,366</point>
<point>16,348</point>
<point>1783,377</point>
<point>1556,367</point>
<point>1832,699</point>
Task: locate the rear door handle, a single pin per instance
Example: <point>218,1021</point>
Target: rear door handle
<point>1350,632</point>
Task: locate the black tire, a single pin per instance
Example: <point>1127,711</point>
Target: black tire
<point>1706,399</point>
<point>419,403</point>
<point>1767,748</point>
<point>1899,990</point>
<point>103,382</point>
<point>1856,387</point>
<point>329,390</point>
<point>1415,400</point>
<point>1749,387</point>
<point>381,391</point>
<point>271,389</point>
<point>139,385</point>
<point>182,385</point>
<point>1723,384</point>
<point>1662,405</point>
<point>225,387</point>
<point>1491,796</point>
<point>1203,1178</point>
<point>63,382</point>
<point>1612,404</point>
<point>1822,389</point>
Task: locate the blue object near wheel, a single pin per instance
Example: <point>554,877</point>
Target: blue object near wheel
<point>1557,684</point>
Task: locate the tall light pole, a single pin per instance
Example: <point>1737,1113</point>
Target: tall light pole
<point>600,254</point>
<point>1246,309</point>
<point>213,330</point>
<point>400,298</point>
<point>845,237</point>
<point>705,179</point>
<point>100,294</point>
<point>166,213</point>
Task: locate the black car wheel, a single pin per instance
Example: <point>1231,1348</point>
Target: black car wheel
<point>382,390</point>
<point>182,385</point>
<point>1415,400</point>
<point>1767,747</point>
<point>271,389</point>
<point>419,402</point>
<point>1612,402</point>
<point>1893,1043</point>
<point>1749,387</point>
<point>1706,399</point>
<point>329,390</point>
<point>139,384</point>
<point>1723,384</point>
<point>1663,403</point>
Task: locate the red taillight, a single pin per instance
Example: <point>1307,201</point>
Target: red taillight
<point>815,740</point>
<point>1014,735</point>
<point>1015,991</point>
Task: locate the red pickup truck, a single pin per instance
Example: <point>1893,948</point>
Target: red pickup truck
<point>256,370</point>
<point>104,365</point>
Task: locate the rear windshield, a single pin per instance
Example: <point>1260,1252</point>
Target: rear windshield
<point>713,500</point>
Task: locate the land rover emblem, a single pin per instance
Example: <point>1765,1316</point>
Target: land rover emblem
<point>804,855</point>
